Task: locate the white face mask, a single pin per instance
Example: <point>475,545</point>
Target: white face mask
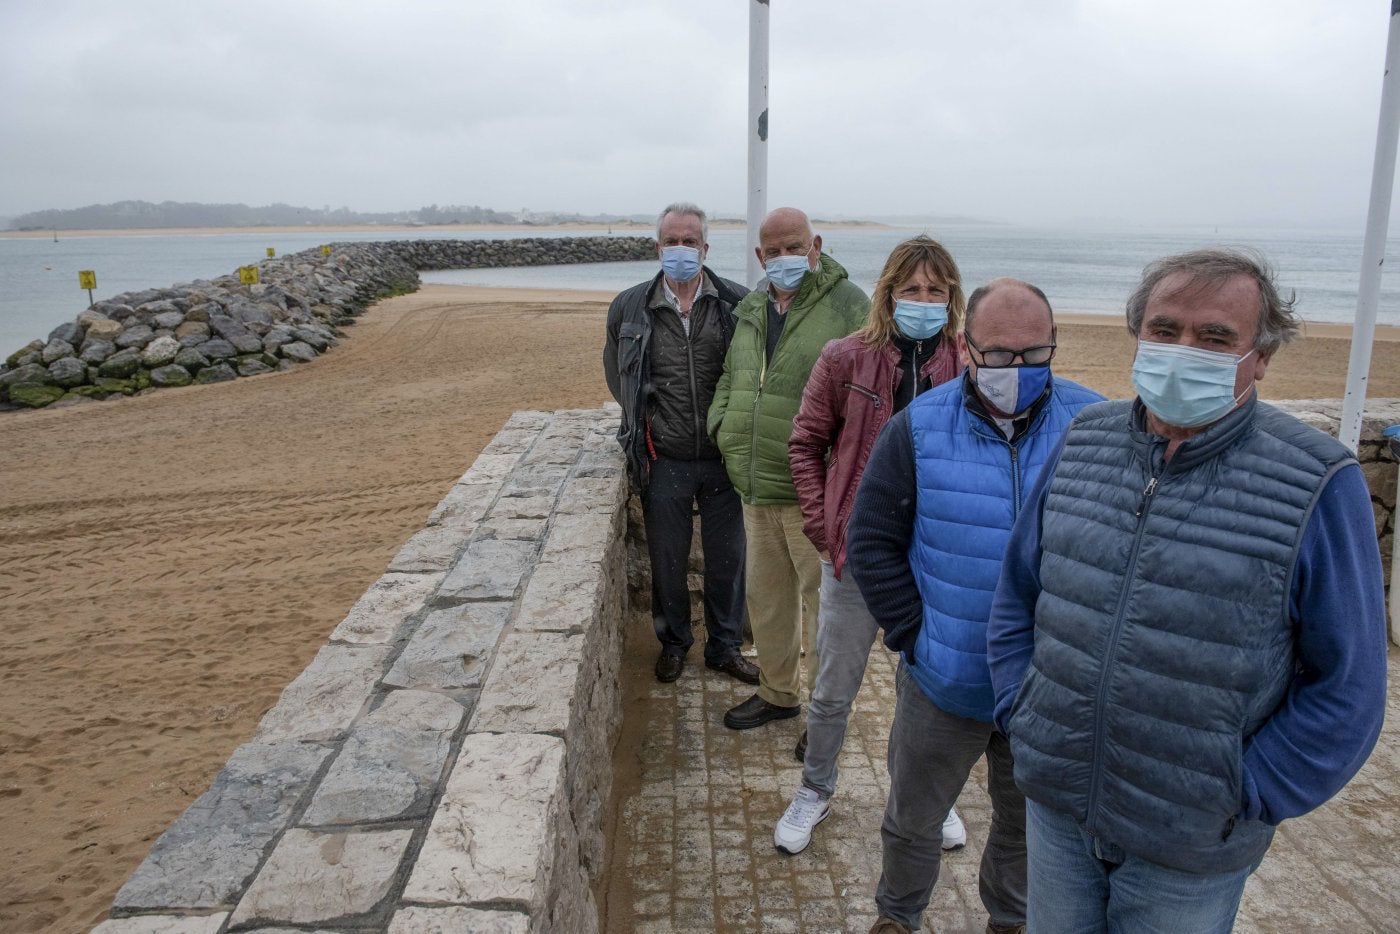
<point>1185,386</point>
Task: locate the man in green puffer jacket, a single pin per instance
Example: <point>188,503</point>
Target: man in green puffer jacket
<point>808,300</point>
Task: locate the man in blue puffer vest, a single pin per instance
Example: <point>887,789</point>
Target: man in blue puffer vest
<point>931,521</point>
<point>1188,639</point>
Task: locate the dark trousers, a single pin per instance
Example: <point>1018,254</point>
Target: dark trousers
<point>931,754</point>
<point>667,511</point>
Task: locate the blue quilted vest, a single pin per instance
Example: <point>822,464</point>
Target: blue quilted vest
<point>1163,638</point>
<point>972,483</point>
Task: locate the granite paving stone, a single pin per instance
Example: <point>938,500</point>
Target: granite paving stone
<point>391,762</point>
<point>451,648</point>
<point>315,877</point>
<point>464,505</point>
<point>533,506</point>
<point>561,596</point>
<point>457,920</point>
<point>210,852</point>
<point>491,467</point>
<point>433,549</point>
<point>579,537</point>
<point>487,570</point>
<point>163,924</point>
<point>545,701</point>
<point>487,842</point>
<point>585,495</point>
<point>322,702</point>
<point>378,614</point>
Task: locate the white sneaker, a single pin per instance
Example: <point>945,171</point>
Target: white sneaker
<point>794,831</point>
<point>954,833</point>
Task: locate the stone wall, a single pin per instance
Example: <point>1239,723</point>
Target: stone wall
<point>445,761</point>
<point>220,329</point>
<point>1376,462</point>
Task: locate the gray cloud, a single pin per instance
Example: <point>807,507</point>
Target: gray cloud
<point>1193,112</point>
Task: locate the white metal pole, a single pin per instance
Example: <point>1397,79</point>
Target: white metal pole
<point>1373,250</point>
<point>758,132</point>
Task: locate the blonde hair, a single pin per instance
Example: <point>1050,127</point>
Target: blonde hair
<point>921,252</point>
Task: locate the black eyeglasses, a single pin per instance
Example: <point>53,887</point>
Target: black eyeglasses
<point>1030,356</point>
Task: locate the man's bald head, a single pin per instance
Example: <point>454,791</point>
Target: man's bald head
<point>784,220</point>
<point>788,232</point>
<point>1006,285</point>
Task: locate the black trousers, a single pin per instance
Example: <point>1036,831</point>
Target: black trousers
<point>675,487</point>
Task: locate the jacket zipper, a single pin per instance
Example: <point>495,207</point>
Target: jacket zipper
<point>1100,698</point>
<point>753,429</point>
<point>698,428</point>
<point>869,394</point>
<point>1015,482</point>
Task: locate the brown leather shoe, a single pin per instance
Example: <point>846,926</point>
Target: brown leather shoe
<point>668,667</point>
<point>755,712</point>
<point>885,925</point>
<point>737,667</point>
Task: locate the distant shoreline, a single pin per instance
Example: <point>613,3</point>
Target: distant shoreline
<point>48,233</point>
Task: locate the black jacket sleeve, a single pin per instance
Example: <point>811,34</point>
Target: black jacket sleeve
<point>610,349</point>
<point>878,538</point>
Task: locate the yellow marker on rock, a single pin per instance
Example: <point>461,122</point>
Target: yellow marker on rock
<point>271,252</point>
<point>248,275</point>
<point>326,249</point>
<point>87,279</point>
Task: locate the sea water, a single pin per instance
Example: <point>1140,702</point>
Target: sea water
<point>1081,270</point>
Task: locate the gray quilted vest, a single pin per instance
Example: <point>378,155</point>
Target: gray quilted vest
<point>1162,632</point>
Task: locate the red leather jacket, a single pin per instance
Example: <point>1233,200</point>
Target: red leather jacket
<point>848,399</point>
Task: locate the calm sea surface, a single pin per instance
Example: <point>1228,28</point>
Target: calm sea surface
<point>1082,270</point>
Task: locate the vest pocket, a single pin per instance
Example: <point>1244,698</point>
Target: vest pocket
<point>629,348</point>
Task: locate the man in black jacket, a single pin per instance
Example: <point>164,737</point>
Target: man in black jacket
<point>666,341</point>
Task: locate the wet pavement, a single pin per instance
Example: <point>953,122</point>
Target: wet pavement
<point>696,803</point>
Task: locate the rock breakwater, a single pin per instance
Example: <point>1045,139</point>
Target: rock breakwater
<point>220,329</point>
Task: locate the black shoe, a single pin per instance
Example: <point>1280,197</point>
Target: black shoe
<point>755,712</point>
<point>737,667</point>
<point>801,750</point>
<point>668,667</point>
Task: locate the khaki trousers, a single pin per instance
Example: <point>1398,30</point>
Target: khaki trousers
<point>783,572</point>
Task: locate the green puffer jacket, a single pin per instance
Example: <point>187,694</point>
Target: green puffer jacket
<point>756,400</point>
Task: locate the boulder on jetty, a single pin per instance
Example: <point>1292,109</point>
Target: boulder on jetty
<point>219,329</point>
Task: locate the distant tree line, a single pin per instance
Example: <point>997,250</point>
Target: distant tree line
<point>144,214</point>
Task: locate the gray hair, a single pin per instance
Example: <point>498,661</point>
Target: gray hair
<point>685,207</point>
<point>982,291</point>
<point>1207,271</point>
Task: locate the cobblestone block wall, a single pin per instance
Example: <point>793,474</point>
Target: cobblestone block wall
<point>445,760</point>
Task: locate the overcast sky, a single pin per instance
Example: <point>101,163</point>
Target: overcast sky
<point>1039,111</point>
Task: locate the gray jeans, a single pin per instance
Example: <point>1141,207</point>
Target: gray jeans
<point>845,632</point>
<point>931,754</point>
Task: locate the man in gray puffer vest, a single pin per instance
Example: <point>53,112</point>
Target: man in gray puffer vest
<point>1187,643</point>
<point>664,353</point>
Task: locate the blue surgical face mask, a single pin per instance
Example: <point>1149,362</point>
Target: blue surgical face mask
<point>786,272</point>
<point>1012,389</point>
<point>1186,386</point>
<point>681,263</point>
<point>919,320</point>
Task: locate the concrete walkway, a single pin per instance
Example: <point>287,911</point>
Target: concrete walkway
<point>692,847</point>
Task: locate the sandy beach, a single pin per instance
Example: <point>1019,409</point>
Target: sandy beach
<point>168,563</point>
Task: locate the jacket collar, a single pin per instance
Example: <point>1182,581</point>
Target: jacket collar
<point>1217,436</point>
<point>657,295</point>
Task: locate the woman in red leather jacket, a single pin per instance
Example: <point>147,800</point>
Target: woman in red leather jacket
<point>859,381</point>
